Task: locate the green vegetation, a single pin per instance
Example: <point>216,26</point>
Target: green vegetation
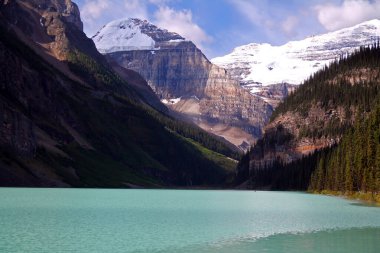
<point>331,88</point>
<point>198,135</point>
<point>354,165</point>
<point>91,168</point>
<point>97,74</point>
<point>227,163</point>
<point>132,136</point>
<point>351,167</point>
<point>279,176</point>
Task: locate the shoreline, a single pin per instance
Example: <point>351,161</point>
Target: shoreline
<point>368,198</point>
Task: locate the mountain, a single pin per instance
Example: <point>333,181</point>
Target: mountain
<point>265,69</point>
<point>71,118</point>
<point>185,80</point>
<point>324,136</point>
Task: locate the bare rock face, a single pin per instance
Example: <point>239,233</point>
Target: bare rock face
<point>227,102</point>
<point>185,80</point>
<point>285,138</point>
<point>170,71</point>
<point>55,25</point>
<point>275,93</point>
<point>65,8</point>
<point>72,15</point>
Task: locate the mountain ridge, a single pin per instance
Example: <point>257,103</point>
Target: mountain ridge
<point>259,67</point>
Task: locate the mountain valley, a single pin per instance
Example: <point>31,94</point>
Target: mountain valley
<point>140,106</point>
<point>133,140</point>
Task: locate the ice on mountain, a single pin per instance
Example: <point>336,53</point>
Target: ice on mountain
<point>296,60</point>
<point>132,34</point>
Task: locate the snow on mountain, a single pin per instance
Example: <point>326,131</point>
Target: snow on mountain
<point>260,65</point>
<point>132,34</point>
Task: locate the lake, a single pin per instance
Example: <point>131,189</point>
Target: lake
<point>108,220</point>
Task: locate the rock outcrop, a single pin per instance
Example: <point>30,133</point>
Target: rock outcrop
<point>285,139</point>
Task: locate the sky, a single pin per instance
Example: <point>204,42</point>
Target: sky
<point>218,26</point>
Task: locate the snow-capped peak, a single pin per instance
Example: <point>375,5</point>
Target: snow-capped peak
<point>132,34</point>
<point>293,62</point>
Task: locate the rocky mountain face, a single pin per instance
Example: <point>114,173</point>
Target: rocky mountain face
<point>185,80</point>
<point>285,137</point>
<point>70,118</point>
<point>260,67</point>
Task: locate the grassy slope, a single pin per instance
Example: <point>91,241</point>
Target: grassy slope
<point>228,164</point>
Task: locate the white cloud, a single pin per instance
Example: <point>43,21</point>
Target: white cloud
<point>348,13</point>
<point>289,25</point>
<point>135,9</point>
<point>93,9</point>
<point>159,2</point>
<point>96,13</point>
<point>271,20</point>
<point>253,12</point>
<point>182,23</point>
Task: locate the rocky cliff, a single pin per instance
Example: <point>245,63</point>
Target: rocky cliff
<point>185,80</point>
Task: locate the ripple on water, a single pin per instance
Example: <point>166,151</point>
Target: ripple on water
<point>354,240</point>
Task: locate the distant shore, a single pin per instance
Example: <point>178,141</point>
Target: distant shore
<point>365,197</point>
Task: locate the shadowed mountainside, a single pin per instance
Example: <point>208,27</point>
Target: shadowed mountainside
<point>68,119</point>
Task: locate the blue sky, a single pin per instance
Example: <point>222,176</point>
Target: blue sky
<point>218,26</point>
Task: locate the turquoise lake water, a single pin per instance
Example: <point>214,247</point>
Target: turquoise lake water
<point>107,220</point>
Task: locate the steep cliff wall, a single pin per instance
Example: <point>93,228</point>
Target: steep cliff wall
<point>185,79</point>
<point>175,70</point>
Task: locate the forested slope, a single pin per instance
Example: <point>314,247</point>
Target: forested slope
<point>338,105</point>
